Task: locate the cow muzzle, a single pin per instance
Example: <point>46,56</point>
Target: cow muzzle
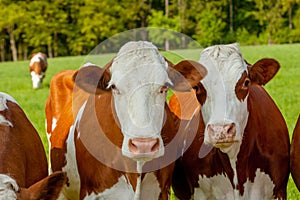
<point>221,135</point>
<point>144,148</point>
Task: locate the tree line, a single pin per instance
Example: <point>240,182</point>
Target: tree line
<point>75,27</point>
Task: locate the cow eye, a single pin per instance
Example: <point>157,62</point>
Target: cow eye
<point>115,89</point>
<point>246,82</point>
<point>163,89</point>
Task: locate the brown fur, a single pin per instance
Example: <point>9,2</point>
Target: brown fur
<point>295,154</point>
<point>265,142</point>
<point>24,159</point>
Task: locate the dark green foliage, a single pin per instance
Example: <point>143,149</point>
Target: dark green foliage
<point>75,27</point>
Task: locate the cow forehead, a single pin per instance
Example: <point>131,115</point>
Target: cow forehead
<point>224,63</point>
<point>139,61</point>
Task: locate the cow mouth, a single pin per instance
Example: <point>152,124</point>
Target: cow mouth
<point>224,143</point>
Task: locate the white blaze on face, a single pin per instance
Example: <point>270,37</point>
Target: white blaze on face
<point>225,67</point>
<point>138,74</point>
<point>36,80</point>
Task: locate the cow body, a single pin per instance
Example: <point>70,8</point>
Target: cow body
<point>118,146</point>
<point>37,68</point>
<point>24,163</point>
<point>241,150</point>
<point>295,154</point>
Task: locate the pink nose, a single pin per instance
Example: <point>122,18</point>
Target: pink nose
<point>222,133</point>
<point>143,145</point>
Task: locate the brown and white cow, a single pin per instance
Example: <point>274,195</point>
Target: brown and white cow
<point>37,68</point>
<point>64,98</point>
<point>120,145</point>
<point>241,150</point>
<point>295,154</point>
<point>23,166</point>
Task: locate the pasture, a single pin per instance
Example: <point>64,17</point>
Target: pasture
<point>284,88</point>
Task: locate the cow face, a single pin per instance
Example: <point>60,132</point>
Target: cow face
<point>138,78</point>
<point>224,91</point>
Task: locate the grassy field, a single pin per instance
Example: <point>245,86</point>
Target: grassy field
<point>284,88</point>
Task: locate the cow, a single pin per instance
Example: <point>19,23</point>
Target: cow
<point>60,100</point>
<point>121,144</point>
<point>241,149</point>
<point>37,68</point>
<point>295,154</point>
<point>23,166</point>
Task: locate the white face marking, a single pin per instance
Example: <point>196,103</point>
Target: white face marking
<point>8,188</point>
<point>36,80</point>
<point>138,72</point>
<point>225,66</point>
<point>219,187</point>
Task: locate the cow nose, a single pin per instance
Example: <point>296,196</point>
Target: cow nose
<point>143,145</point>
<point>221,133</point>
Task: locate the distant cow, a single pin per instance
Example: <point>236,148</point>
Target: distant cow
<point>23,166</point>
<point>295,154</point>
<point>37,68</point>
<point>120,145</point>
<point>241,150</point>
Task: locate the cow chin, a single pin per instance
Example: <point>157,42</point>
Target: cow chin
<point>142,149</point>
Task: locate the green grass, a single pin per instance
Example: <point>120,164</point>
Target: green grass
<point>284,88</point>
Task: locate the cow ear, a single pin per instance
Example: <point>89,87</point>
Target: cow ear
<point>47,188</point>
<point>92,78</point>
<point>263,71</point>
<point>185,75</point>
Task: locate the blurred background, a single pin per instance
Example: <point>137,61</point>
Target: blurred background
<point>75,27</point>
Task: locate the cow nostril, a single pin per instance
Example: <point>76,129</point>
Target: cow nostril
<point>143,145</point>
<point>132,146</point>
<point>232,129</point>
<point>155,146</point>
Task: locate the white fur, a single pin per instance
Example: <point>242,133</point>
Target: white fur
<point>37,57</point>
<point>8,188</point>
<point>138,72</point>
<point>3,99</point>
<point>36,80</point>
<point>148,189</point>
<point>72,190</point>
<point>3,106</point>
<point>121,190</point>
<point>225,66</point>
<point>219,187</point>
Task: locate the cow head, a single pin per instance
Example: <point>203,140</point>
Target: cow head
<point>139,78</point>
<point>37,68</point>
<point>224,91</point>
<point>47,188</point>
